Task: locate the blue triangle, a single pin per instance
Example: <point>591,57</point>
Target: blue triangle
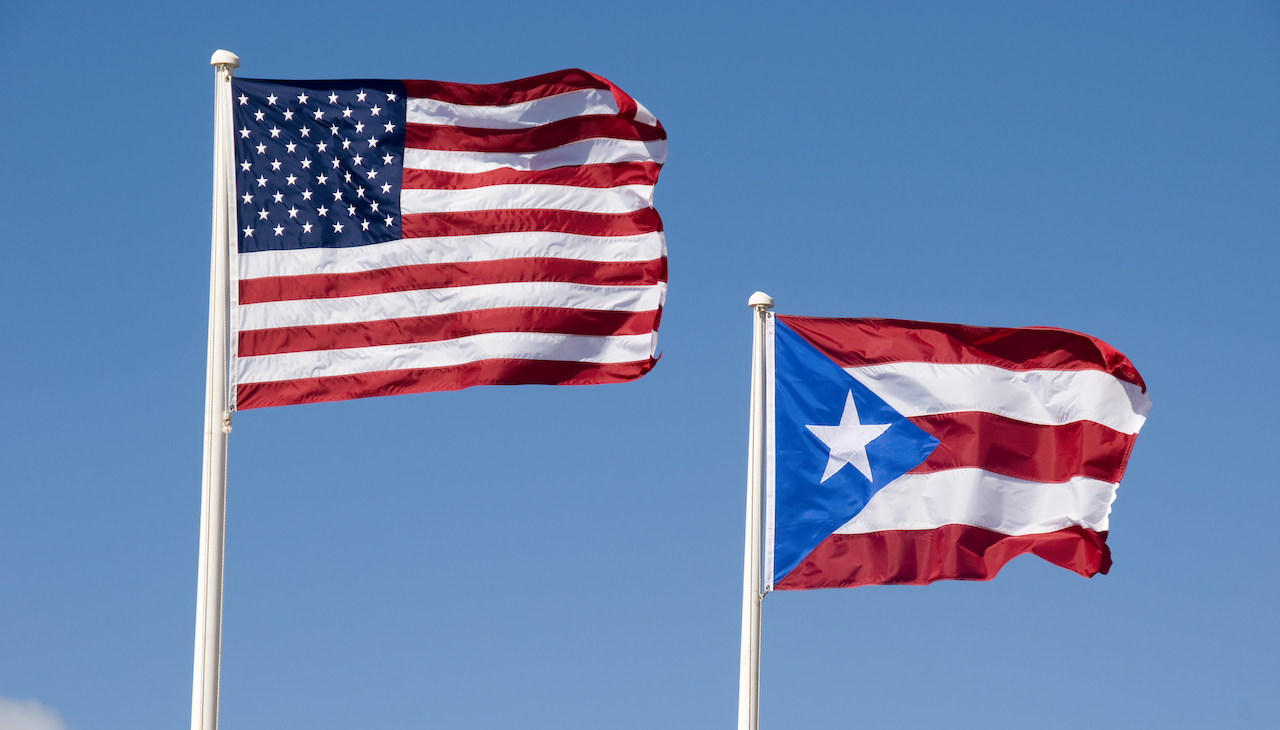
<point>810,389</point>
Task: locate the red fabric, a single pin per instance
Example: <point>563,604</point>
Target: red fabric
<point>1050,454</point>
<point>394,382</point>
<point>583,176</point>
<point>446,326</point>
<point>951,552</point>
<point>477,222</point>
<point>510,92</point>
<point>857,342</point>
<point>467,273</point>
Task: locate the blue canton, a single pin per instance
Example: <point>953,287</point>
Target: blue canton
<point>318,163</point>
<point>811,390</point>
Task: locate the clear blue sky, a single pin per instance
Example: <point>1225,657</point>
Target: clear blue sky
<point>542,557</point>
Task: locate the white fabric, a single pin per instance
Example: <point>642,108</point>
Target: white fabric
<point>457,351</point>
<point>983,499</point>
<point>621,199</point>
<point>594,151</point>
<point>513,116</point>
<point>1046,397</point>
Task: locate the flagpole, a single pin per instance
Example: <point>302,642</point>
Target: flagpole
<point>749,659</point>
<point>217,415</point>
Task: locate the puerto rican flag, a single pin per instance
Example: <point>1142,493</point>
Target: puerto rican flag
<point>909,452</point>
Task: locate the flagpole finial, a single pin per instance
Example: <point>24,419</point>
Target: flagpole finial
<point>224,58</point>
<point>760,299</point>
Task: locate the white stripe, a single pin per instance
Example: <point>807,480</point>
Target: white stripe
<point>620,199</point>
<point>594,151</point>
<point>514,116</point>
<point>427,302</point>
<point>984,499</point>
<point>457,351</point>
<point>452,249</point>
<point>1047,397</point>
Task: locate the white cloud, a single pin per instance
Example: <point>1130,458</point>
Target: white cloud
<point>28,715</point>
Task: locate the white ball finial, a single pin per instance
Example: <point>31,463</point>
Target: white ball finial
<point>224,58</point>
<point>760,299</point>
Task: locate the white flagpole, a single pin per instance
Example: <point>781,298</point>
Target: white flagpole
<point>749,659</point>
<point>217,414</point>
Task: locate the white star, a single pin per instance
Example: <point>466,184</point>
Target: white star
<point>848,441</point>
<point>247,198</point>
<point>386,188</point>
<point>291,147</point>
<point>360,96</point>
<point>322,147</point>
<point>278,197</point>
<point>336,163</point>
<point>359,192</point>
<point>275,132</point>
<point>302,98</point>
<point>346,143</point>
<point>275,165</point>
<point>333,130</point>
<point>262,148</point>
<point>293,212</point>
<point>306,227</point>
<point>292,179</point>
<point>373,174</point>
<point>373,141</point>
<point>305,131</point>
<point>337,194</point>
<point>391,97</point>
<point>374,206</point>
<point>244,100</point>
<point>244,166</point>
<point>271,99</point>
<point>337,228</point>
<point>388,158</point>
<point>306,163</point>
<point>351,210</point>
<point>244,133</point>
<point>319,114</point>
<point>346,112</point>
<point>262,215</point>
<point>323,211</point>
<point>346,177</point>
<point>288,115</point>
<point>358,160</point>
<point>364,225</point>
<point>322,179</point>
<point>359,126</point>
<point>390,220</point>
<point>375,110</point>
<point>306,194</point>
<point>279,230</point>
<point>389,127</point>
<point>333,98</point>
<point>262,182</point>
<point>248,231</point>
<point>258,115</point>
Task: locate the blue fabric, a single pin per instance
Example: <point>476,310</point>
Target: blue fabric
<point>810,389</point>
<point>291,200</point>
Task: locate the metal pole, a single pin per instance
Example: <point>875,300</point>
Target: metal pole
<point>749,659</point>
<point>217,416</point>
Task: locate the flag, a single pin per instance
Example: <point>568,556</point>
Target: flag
<point>410,236</point>
<point>909,452</point>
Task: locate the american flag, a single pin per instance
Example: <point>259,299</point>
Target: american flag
<point>410,236</point>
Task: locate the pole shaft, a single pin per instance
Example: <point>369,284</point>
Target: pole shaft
<point>208,639</point>
<point>749,658</point>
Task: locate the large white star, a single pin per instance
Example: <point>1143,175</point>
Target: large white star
<point>848,441</point>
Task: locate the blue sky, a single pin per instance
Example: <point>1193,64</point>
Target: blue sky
<point>570,557</point>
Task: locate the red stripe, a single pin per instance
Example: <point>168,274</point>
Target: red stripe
<point>423,380</point>
<point>950,552</point>
<point>510,92</point>
<point>1050,454</point>
<point>529,139</point>
<point>582,176</point>
<point>436,276</point>
<point>856,342</point>
<point>478,222</point>
<point>446,326</point>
